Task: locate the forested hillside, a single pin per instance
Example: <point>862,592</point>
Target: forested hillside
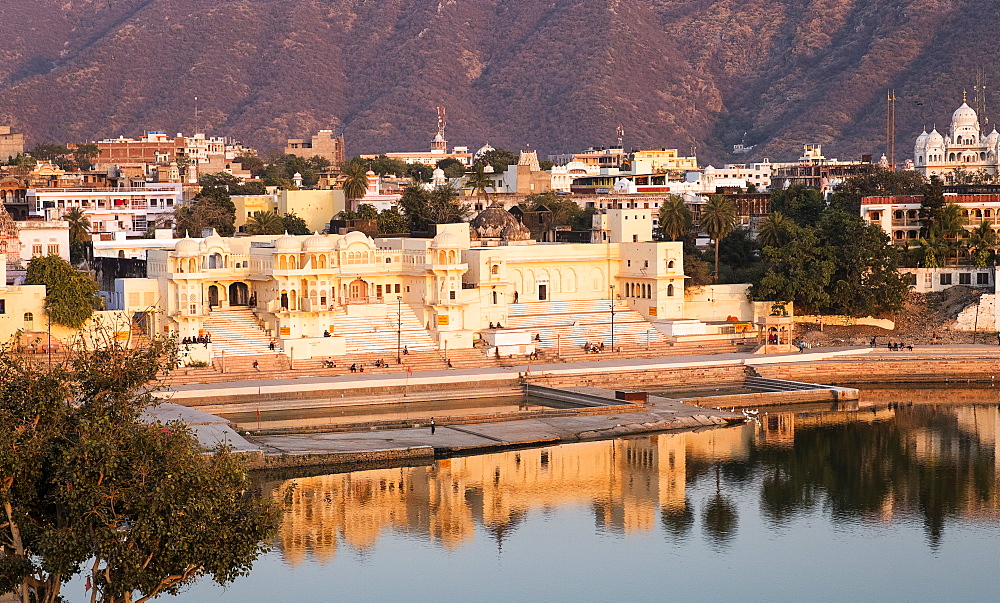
<point>557,75</point>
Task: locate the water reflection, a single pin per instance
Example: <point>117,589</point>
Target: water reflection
<point>933,463</point>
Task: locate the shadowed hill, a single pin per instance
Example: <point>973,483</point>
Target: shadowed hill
<point>554,74</point>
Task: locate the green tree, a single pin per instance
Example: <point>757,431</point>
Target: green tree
<point>366,211</point>
<point>385,166</point>
<point>774,231</point>
<point>453,168</point>
<point>480,181</point>
<point>90,487</point>
<point>800,203</point>
<point>355,180</point>
<point>84,155</point>
<point>931,205</point>
<point>294,224</point>
<point>866,279</point>
<point>79,233</point>
<point>545,165</point>
<point>499,159</point>
<point>265,223</point>
<point>390,221</point>
<point>48,151</point>
<point>718,219</point>
<point>70,295</point>
<point>799,272</point>
<point>565,211</point>
<point>420,172</point>
<point>252,163</point>
<point>211,208</point>
<point>872,181</point>
<point>983,242</point>
<point>221,179</point>
<point>675,218</point>
<point>422,208</point>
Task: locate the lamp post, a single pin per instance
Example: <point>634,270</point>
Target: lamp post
<point>612,306</point>
<point>399,329</point>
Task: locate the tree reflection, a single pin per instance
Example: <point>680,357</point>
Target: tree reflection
<point>920,461</point>
<point>719,518</point>
<point>677,519</point>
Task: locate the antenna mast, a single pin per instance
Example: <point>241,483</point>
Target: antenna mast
<point>620,133</point>
<point>979,95</point>
<point>890,127</point>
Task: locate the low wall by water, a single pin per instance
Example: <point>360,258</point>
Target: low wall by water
<point>887,371</point>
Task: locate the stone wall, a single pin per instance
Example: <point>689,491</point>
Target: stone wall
<point>886,371</point>
<point>979,317</point>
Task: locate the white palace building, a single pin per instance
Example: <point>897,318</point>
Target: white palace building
<point>965,147</point>
<point>325,295</point>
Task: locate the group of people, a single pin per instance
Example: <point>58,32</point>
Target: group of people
<point>498,326</point>
<point>206,338</point>
<point>898,347</point>
<point>357,368</point>
<point>593,348</point>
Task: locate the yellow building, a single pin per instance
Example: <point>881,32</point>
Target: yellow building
<point>316,207</point>
<point>247,205</point>
<point>662,160</point>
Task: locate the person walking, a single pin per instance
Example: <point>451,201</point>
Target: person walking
<point>256,365</point>
<point>433,425</point>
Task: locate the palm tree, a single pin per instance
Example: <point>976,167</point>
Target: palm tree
<point>675,217</point>
<point>355,180</point>
<point>79,231</point>
<point>718,218</point>
<point>479,181</point>
<point>949,225</point>
<point>265,223</point>
<point>983,242</point>
<point>773,231</point>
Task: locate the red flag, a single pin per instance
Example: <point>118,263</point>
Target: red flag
<point>409,370</point>
<point>88,584</point>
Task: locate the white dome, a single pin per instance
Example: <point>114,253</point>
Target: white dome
<point>921,140</point>
<point>486,148</point>
<point>287,243</point>
<point>317,242</point>
<point>964,116</point>
<point>447,239</point>
<point>213,240</point>
<point>934,139</point>
<point>354,236</point>
<point>187,247</point>
<point>993,138</point>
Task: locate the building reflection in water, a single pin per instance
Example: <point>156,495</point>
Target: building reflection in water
<point>935,461</point>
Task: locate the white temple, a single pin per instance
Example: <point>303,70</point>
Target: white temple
<point>965,147</point>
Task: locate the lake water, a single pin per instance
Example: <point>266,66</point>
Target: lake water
<point>884,503</point>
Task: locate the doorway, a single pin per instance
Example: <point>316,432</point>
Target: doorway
<point>239,294</point>
<point>213,296</point>
<point>543,292</point>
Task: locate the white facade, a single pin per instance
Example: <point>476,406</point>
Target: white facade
<point>965,147</point>
<point>40,238</point>
<point>110,210</point>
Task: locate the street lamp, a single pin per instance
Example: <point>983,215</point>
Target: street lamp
<point>612,306</point>
<point>399,329</point>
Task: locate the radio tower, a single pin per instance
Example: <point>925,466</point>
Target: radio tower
<point>979,95</point>
<point>620,132</point>
<point>890,127</point>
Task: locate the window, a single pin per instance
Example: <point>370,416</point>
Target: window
<point>451,295</point>
<point>965,278</point>
<point>946,279</point>
<point>36,250</point>
<point>983,278</point>
<point>397,288</point>
<point>670,290</point>
<point>54,249</point>
<point>3,306</point>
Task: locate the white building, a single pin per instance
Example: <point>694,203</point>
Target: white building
<point>965,147</point>
<point>110,210</point>
<point>40,238</point>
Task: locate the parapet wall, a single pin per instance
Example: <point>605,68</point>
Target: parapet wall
<point>886,371</point>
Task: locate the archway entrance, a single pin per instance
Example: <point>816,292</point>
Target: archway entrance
<point>239,294</point>
<point>357,292</point>
<point>213,296</point>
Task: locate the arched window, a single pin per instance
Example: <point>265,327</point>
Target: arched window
<point>29,320</point>
<point>495,269</point>
<point>670,264</point>
<point>951,157</point>
<point>282,263</point>
<point>670,290</point>
<point>898,234</point>
<point>494,298</point>
<point>912,214</point>
<point>898,214</point>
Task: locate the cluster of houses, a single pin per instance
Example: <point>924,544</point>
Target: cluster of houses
<point>458,283</point>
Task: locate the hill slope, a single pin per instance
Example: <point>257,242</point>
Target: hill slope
<point>553,74</point>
